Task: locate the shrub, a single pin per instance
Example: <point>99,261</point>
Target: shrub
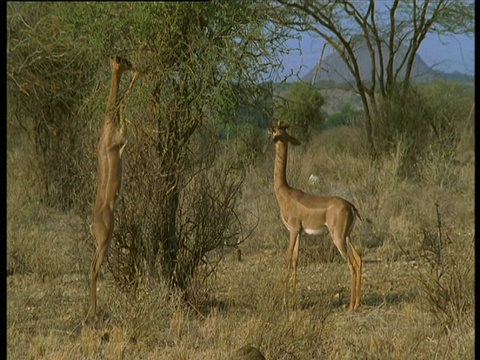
<point>448,277</point>
<point>48,80</point>
<point>425,120</point>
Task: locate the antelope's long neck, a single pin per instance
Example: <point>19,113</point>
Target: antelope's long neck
<point>280,170</point>
<point>113,95</point>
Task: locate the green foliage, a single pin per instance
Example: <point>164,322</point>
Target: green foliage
<point>204,68</point>
<point>300,106</point>
<point>245,129</point>
<point>344,117</point>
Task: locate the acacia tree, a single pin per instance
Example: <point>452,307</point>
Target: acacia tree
<point>197,61</point>
<point>384,29</point>
<point>300,105</point>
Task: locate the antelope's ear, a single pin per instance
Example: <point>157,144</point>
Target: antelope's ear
<point>294,141</point>
<point>283,125</point>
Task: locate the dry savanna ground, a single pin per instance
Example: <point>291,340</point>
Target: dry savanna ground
<point>415,305</point>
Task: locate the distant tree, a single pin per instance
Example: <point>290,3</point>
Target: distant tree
<point>346,114</point>
<point>300,105</point>
<point>384,28</point>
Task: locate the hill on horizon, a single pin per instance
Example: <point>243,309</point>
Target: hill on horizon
<point>334,69</point>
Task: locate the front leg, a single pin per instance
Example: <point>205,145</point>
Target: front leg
<point>292,255</point>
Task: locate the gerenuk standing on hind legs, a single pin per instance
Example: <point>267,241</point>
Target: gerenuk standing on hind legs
<point>111,165</point>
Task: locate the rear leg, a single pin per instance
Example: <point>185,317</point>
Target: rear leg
<point>356,261</point>
<point>340,241</point>
<point>340,228</point>
<point>102,235</point>
<point>94,270</point>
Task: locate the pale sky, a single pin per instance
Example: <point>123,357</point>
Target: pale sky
<point>455,53</point>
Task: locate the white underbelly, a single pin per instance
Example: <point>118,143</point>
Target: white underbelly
<point>315,231</point>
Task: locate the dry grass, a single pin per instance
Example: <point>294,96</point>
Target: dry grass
<point>246,302</point>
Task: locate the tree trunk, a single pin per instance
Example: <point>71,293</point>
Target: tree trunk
<point>169,240</point>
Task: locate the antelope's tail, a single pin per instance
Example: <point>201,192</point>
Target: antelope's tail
<point>355,210</point>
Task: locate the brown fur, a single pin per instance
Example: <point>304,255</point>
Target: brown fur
<point>303,212</point>
<point>111,162</point>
